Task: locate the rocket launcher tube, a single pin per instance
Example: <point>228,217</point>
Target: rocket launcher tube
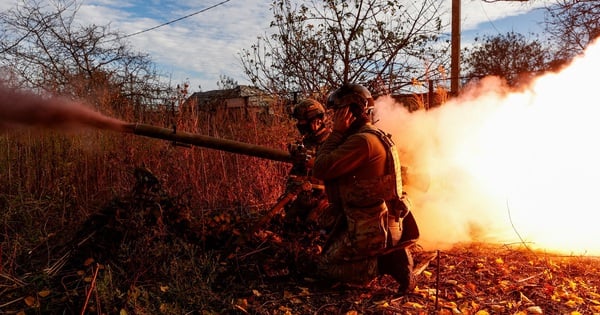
<point>209,142</point>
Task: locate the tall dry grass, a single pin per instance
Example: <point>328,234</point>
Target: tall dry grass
<point>53,180</point>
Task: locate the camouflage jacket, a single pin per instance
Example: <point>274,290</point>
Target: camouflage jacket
<point>358,170</point>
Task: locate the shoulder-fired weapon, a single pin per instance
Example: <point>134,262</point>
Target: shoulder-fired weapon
<point>209,142</point>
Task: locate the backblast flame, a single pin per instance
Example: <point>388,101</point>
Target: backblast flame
<point>508,166</point>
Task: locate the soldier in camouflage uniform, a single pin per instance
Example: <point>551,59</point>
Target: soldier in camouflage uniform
<point>310,202</point>
<point>359,165</point>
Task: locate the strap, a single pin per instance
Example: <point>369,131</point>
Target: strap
<point>393,167</point>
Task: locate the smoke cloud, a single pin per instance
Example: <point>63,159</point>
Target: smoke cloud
<point>496,165</point>
<point>27,109</point>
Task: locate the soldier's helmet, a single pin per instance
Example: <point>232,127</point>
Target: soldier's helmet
<point>307,110</point>
<point>351,94</point>
<point>310,121</point>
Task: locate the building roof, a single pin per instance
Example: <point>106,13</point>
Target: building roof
<point>238,91</point>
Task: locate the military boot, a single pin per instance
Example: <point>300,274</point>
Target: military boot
<point>399,265</point>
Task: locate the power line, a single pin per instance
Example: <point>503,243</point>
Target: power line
<point>488,17</point>
<point>176,20</point>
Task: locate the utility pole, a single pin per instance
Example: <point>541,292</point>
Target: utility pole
<point>455,43</point>
<point>455,50</point>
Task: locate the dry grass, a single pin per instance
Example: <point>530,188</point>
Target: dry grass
<point>56,181</point>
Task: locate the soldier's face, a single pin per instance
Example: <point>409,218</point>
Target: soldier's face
<point>303,126</point>
<point>310,126</point>
<point>316,124</point>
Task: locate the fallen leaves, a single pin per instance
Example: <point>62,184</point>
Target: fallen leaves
<point>30,301</point>
<point>471,279</point>
<point>485,279</point>
<point>260,277</point>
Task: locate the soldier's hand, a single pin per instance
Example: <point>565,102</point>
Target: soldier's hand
<point>298,153</point>
<point>342,119</point>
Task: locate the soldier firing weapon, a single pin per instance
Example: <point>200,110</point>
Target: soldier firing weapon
<point>301,188</point>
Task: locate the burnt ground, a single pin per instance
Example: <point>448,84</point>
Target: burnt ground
<point>145,254</point>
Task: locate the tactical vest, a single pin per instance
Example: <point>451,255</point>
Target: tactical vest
<point>387,187</point>
<point>393,168</point>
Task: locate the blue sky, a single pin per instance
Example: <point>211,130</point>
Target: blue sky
<point>206,45</point>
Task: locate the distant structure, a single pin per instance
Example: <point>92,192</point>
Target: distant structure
<point>240,102</point>
<point>249,102</point>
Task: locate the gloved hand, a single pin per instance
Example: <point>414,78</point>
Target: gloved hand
<point>299,154</point>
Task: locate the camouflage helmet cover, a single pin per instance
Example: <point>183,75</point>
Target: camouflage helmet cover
<point>308,109</point>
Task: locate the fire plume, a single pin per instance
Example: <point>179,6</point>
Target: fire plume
<point>508,166</point>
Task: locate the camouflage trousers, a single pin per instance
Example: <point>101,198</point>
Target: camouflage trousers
<point>356,271</point>
<point>351,256</point>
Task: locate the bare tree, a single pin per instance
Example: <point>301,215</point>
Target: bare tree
<point>510,56</point>
<point>573,25</point>
<point>43,48</point>
<point>317,45</point>
<point>226,82</point>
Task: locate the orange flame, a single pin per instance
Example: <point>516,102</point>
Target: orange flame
<point>508,166</point>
